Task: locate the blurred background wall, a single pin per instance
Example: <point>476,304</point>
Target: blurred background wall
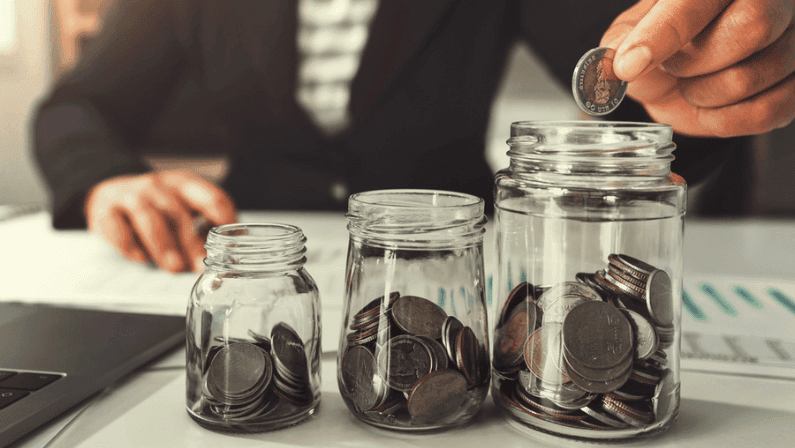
<point>40,40</point>
<point>24,75</point>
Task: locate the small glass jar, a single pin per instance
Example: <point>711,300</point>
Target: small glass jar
<point>413,351</point>
<point>589,226</point>
<point>253,331</point>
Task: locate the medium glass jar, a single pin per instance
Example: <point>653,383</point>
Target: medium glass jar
<point>413,349</point>
<point>253,331</point>
<point>589,225</point>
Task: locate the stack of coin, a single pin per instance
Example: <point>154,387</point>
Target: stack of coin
<point>291,375</point>
<point>407,363</point>
<point>368,321</point>
<point>588,353</point>
<point>246,380</point>
<point>598,346</point>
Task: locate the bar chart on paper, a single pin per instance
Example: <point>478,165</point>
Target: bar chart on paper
<point>739,325</point>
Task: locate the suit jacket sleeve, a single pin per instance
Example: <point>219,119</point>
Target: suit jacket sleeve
<point>88,128</point>
<point>562,31</point>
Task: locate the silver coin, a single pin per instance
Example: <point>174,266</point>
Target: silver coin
<point>553,294</point>
<point>360,381</point>
<point>595,410</point>
<point>557,310</point>
<point>263,342</point>
<point>646,339</point>
<point>636,413</point>
<point>529,382</point>
<point>547,407</point>
<point>567,396</point>
<point>403,361</point>
<point>238,369</point>
<point>590,280</point>
<point>661,402</point>
<point>624,286</point>
<point>659,359</point>
<point>239,411</point>
<point>438,351</point>
<point>600,387</point>
<point>450,329</point>
<point>632,266</point>
<point>288,350</point>
<point>596,88</point>
<point>418,316</point>
<point>597,335</point>
<point>659,298</point>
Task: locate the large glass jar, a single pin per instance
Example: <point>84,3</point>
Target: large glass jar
<point>413,349</point>
<point>253,331</point>
<point>589,225</point>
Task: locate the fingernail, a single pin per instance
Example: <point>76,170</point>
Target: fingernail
<point>171,261</point>
<point>614,43</point>
<point>633,62</point>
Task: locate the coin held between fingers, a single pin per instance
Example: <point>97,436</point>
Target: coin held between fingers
<point>596,88</point>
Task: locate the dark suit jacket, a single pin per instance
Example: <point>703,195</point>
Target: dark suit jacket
<point>202,76</point>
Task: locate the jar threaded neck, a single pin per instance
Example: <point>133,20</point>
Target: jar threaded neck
<point>416,219</point>
<point>592,147</point>
<point>256,247</point>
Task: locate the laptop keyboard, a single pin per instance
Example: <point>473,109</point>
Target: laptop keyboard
<point>17,385</point>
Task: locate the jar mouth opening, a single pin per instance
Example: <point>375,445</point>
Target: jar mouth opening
<point>529,127</point>
<point>413,199</point>
<point>585,143</point>
<point>240,233</point>
<point>255,246</point>
<point>416,216</point>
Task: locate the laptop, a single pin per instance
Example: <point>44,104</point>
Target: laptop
<point>52,358</point>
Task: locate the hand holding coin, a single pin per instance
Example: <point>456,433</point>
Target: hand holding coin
<point>709,67</point>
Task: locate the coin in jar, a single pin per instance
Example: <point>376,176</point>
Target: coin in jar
<point>520,294</point>
<point>566,289</point>
<point>599,386</point>
<point>542,353</point>
<point>450,329</point>
<point>513,335</point>
<point>597,335</point>
<point>370,312</point>
<point>438,352</point>
<point>418,316</point>
<point>437,396</point>
<point>646,339</point>
<point>403,361</point>
<point>662,399</point>
<point>596,88</point>
<point>659,298</point>
<point>360,380</point>
<point>471,358</point>
<point>263,342</point>
<point>288,351</point>
<point>636,413</point>
<point>237,369</point>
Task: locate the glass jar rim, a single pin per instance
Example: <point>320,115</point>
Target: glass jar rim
<point>253,233</point>
<point>617,126</point>
<point>255,246</point>
<point>416,218</point>
<point>590,146</point>
<point>416,199</point>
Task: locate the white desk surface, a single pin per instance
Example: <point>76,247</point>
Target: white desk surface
<point>148,408</point>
